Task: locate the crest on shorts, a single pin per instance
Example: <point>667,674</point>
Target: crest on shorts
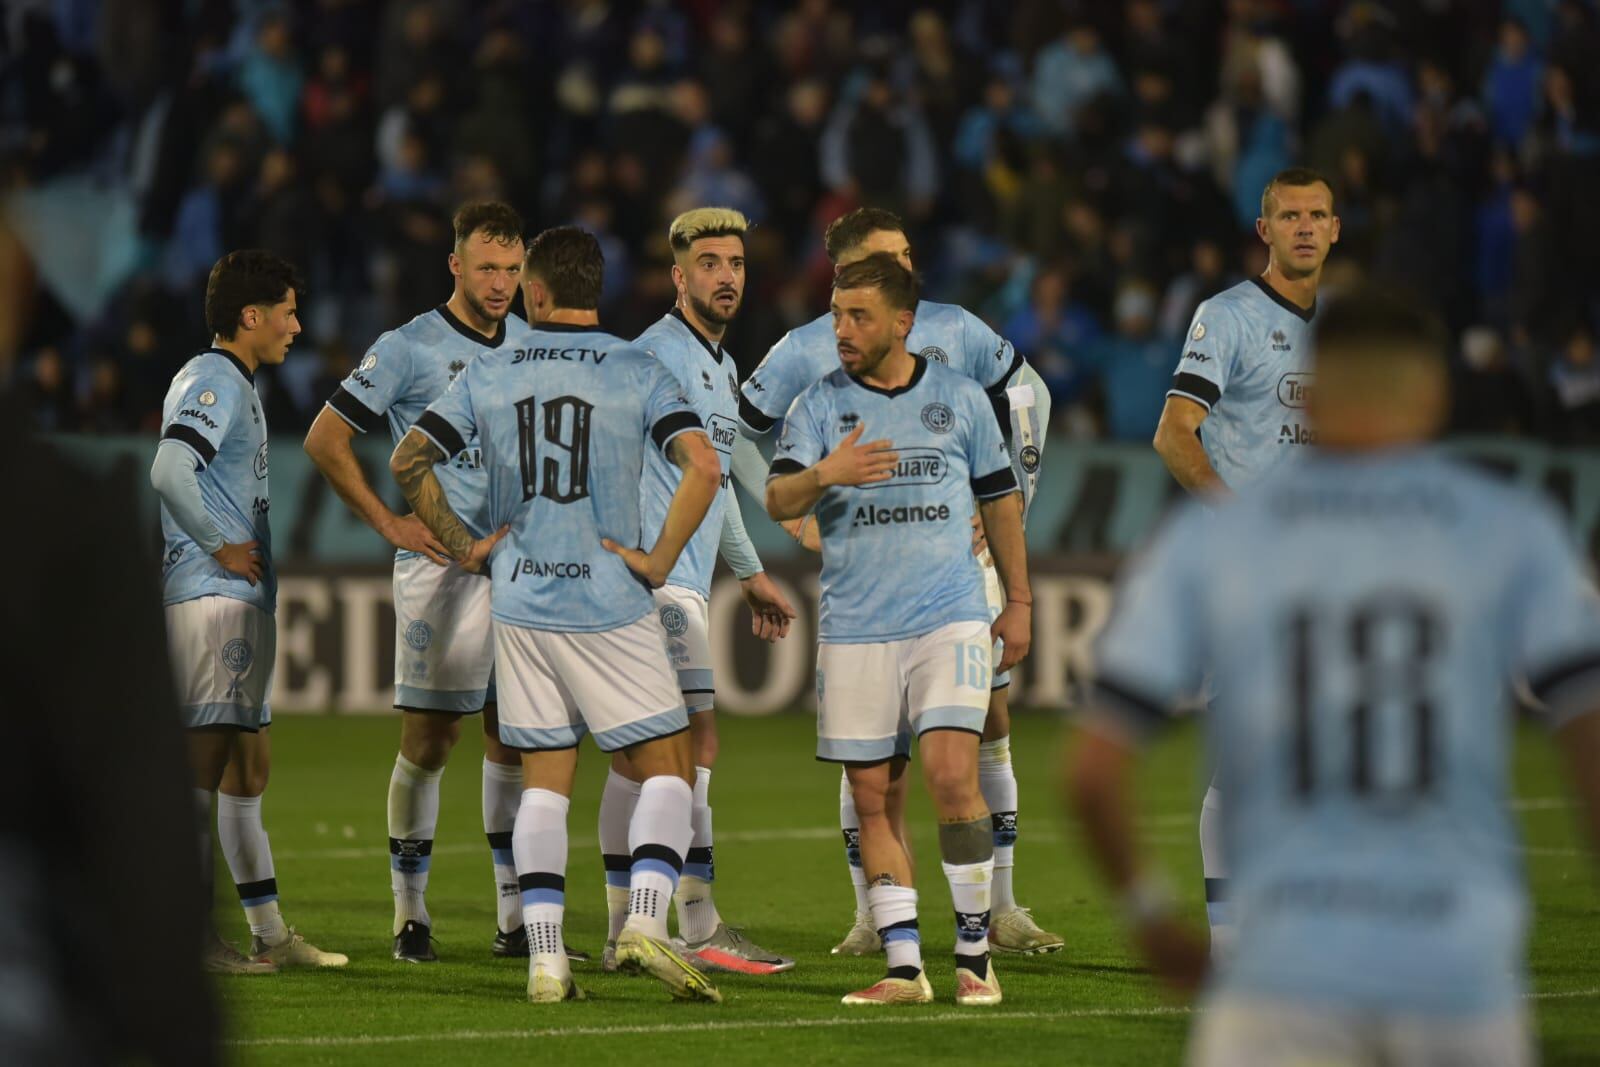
<point>674,620</point>
<point>237,655</point>
<point>418,635</point>
<point>370,362</point>
<point>207,398</point>
<point>936,354</point>
<point>1030,458</point>
<point>938,417</point>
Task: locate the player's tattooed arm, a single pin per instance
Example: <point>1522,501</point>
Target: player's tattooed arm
<point>412,465</point>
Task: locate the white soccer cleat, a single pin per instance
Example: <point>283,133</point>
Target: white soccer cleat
<point>549,983</point>
<point>296,952</point>
<point>862,940</point>
<point>223,958</point>
<point>608,958</point>
<point>1016,933</point>
<point>893,991</point>
<point>972,991</point>
<point>639,953</point>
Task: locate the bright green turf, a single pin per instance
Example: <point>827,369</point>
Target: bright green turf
<point>1089,1005</point>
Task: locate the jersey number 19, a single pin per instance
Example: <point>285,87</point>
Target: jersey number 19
<point>562,425</point>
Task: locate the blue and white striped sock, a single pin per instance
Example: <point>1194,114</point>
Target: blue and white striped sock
<point>539,843</point>
<point>413,817</point>
<point>249,855</point>
<point>894,913</point>
<point>658,837</point>
<point>502,795</point>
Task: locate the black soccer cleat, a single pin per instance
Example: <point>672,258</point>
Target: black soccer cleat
<point>414,943</point>
<point>514,943</point>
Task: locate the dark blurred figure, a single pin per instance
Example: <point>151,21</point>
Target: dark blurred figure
<point>1575,383</point>
<point>1489,395</point>
<point>47,392</point>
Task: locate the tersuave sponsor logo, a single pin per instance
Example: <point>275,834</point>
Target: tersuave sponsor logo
<point>917,466</point>
<point>867,515</point>
<point>722,433</point>
<point>1293,388</point>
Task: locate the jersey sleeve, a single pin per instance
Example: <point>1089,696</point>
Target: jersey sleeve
<point>450,422</point>
<point>1149,658</point>
<point>667,411</point>
<point>772,386</point>
<point>991,359</point>
<point>381,378</point>
<point>1556,617</point>
<point>1209,351</point>
<point>802,442</point>
<point>988,461</point>
<point>208,409</point>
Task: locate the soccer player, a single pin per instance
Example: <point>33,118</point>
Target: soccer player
<point>952,336</point>
<point>1364,619</point>
<point>219,587</point>
<point>905,642</point>
<point>564,425</point>
<point>708,272</point>
<point>1237,404</point>
<point>444,650</point>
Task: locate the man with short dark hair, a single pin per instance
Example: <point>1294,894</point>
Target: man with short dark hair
<point>905,642</point>
<point>219,586</point>
<point>444,651</point>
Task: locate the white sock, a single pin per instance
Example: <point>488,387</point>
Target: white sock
<point>1218,909</point>
<point>502,793</point>
<point>998,783</point>
<point>894,913</point>
<point>413,817</point>
<point>658,839</point>
<point>249,855</point>
<point>969,893</point>
<point>617,803</point>
<point>539,843</point>
<point>697,912</point>
<point>850,827</point>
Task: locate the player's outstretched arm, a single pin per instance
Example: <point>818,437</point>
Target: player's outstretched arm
<point>1579,739</point>
<point>1177,441</point>
<point>770,610</point>
<point>412,465</point>
<point>1002,525</point>
<point>791,495</point>
<point>328,443</point>
<point>701,481</point>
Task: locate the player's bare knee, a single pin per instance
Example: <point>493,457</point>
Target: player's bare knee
<point>998,722</point>
<point>426,737</point>
<point>966,840</point>
<point>953,785</point>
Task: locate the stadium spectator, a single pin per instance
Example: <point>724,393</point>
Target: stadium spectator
<point>1068,74</point>
<point>1135,366</point>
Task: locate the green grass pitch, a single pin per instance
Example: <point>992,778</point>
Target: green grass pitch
<point>780,874</point>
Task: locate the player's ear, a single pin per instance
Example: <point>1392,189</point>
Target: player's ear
<point>455,265</point>
<point>1261,230</point>
<point>1333,234</point>
<point>250,317</point>
<point>902,323</point>
<point>677,279</point>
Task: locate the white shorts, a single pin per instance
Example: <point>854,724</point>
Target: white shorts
<point>222,652</point>
<point>995,594</point>
<point>443,641</point>
<point>1240,1031</point>
<point>874,699</point>
<point>555,687</point>
<point>686,619</point>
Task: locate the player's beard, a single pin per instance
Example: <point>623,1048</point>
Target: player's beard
<point>481,310</point>
<point>710,313</point>
<point>871,359</point>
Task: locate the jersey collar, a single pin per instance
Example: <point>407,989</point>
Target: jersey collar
<point>238,364</point>
<point>1303,314</point>
<point>919,368</point>
<point>715,350</point>
<point>468,332</point>
<point>563,327</point>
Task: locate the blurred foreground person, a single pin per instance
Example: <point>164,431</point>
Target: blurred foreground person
<point>1363,618</point>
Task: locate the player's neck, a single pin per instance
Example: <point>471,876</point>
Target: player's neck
<point>463,311</point>
<point>1300,291</point>
<point>571,317</point>
<point>705,329</point>
<point>894,371</point>
<point>238,351</point>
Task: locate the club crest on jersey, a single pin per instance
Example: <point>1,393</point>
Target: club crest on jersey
<point>936,354</point>
<point>456,367</point>
<point>674,620</point>
<point>1030,458</point>
<point>370,362</point>
<point>1280,341</point>
<point>207,398</point>
<point>938,418</point>
<point>848,421</point>
<point>418,635</point>
<point>261,461</point>
<point>1199,332</point>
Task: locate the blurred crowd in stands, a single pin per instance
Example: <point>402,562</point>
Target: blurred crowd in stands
<point>1080,174</point>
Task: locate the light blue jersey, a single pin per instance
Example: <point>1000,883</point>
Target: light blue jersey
<point>942,333</point>
<point>1363,621</point>
<point>706,374</point>
<point>564,424</point>
<point>1247,361</point>
<point>213,410</point>
<point>409,368</point>
<point>897,556</point>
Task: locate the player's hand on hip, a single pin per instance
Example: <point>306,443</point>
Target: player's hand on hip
<point>770,611</point>
<point>854,463</point>
<point>479,556</point>
<point>242,560</point>
<point>1014,626</point>
<point>1179,957</point>
<point>639,562</point>
<point>411,534</point>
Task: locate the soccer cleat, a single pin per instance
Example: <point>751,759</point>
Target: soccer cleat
<point>862,940</point>
<point>608,957</point>
<point>1016,933</point>
<point>223,958</point>
<point>514,943</point>
<point>414,943</point>
<point>545,986</point>
<point>296,952</point>
<point>973,991</point>
<point>727,949</point>
<point>640,954</point>
<point>894,991</point>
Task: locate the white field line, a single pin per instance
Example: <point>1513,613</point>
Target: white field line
<point>980,1018</point>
